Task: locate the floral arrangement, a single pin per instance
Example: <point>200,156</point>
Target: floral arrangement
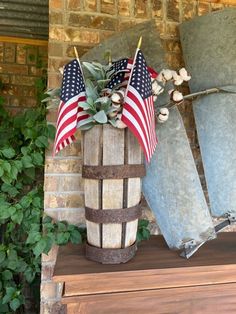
<point>104,105</point>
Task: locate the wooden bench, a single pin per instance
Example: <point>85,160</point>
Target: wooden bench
<point>156,281</point>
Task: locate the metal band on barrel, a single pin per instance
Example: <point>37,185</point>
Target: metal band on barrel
<point>113,215</point>
<point>110,256</point>
<point>113,172</point>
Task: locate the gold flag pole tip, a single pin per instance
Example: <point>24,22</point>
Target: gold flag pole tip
<point>76,53</point>
<point>140,42</point>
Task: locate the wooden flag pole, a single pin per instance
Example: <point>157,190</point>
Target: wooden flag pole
<point>135,56</point>
<point>77,58</point>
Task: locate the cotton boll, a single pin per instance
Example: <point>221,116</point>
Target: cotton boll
<point>156,88</point>
<point>163,115</point>
<point>112,114</point>
<point>116,106</point>
<point>118,97</point>
<point>120,124</point>
<point>167,74</point>
<point>106,92</point>
<point>178,80</point>
<point>177,96</point>
<point>184,74</point>
<point>155,98</point>
<point>61,70</point>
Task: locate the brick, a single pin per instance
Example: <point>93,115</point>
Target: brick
<point>82,36</point>
<point>63,183</point>
<point>1,52</point>
<point>56,4</point>
<point>56,18</point>
<point>20,54</point>
<point>75,216</point>
<point>23,80</point>
<point>108,6</point>
<point>13,69</point>
<point>125,24</point>
<point>5,79</point>
<point>160,28</point>
<point>9,52</point>
<point>48,291</point>
<point>47,272</point>
<point>217,6</point>
<point>43,51</point>
<point>105,35</point>
<point>73,5</point>
<point>92,21</point>
<point>52,115</point>
<point>124,8</point>
<point>55,64</point>
<point>52,308</point>
<point>63,200</point>
<point>54,79</point>
<point>140,9</point>
<point>63,166</point>
<point>72,150</point>
<point>31,54</point>
<point>51,256</point>
<point>173,10</point>
<point>189,9</point>
<point>157,10</point>
<point>55,50</point>
<point>28,102</point>
<point>203,8</point>
<point>90,5</point>
<point>57,33</point>
<point>81,50</point>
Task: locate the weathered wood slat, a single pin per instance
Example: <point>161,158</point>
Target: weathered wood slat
<point>92,156</point>
<point>112,190</point>
<point>133,186</point>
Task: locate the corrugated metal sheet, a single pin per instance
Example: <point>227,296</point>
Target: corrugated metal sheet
<point>24,18</point>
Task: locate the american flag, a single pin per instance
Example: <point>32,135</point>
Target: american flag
<point>138,110</point>
<point>69,112</point>
<point>119,73</point>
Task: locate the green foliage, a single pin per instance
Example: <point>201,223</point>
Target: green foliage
<point>98,102</point>
<point>25,233</point>
<point>143,231</point>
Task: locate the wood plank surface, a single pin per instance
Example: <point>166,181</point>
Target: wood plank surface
<point>187,300</point>
<point>133,186</point>
<point>92,194</point>
<point>112,190</point>
<point>153,267</point>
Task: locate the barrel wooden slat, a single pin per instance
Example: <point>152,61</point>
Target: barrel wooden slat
<point>92,188</point>
<point>112,190</point>
<point>134,156</point>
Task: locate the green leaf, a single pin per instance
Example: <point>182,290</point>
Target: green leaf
<point>47,219</point>
<point>15,304</point>
<point>2,256</point>
<point>37,202</point>
<point>41,141</point>
<point>40,246</point>
<point>6,166</point>
<point>9,294</point>
<point>33,237</point>
<point>25,201</point>
<point>10,189</point>
<point>29,274</point>
<point>100,117</point>
<point>14,172</point>
<point>37,159</point>
<point>8,152</point>
<point>84,105</point>
<point>30,172</point>
<point>27,161</point>
<point>7,274</point>
<point>25,150</point>
<point>51,131</point>
<point>75,237</point>
<point>62,238</point>
<point>17,217</point>
<point>1,171</point>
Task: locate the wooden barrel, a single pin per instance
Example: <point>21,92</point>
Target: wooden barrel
<point>112,171</point>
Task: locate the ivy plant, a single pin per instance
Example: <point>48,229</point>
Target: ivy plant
<point>25,233</point>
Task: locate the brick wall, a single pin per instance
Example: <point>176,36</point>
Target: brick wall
<point>84,23</point>
<point>19,70</point>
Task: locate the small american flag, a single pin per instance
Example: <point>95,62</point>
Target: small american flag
<point>119,73</point>
<point>138,111</point>
<point>69,112</point>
